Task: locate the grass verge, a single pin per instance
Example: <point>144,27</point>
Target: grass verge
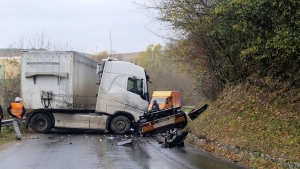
<point>8,134</point>
<point>255,120</point>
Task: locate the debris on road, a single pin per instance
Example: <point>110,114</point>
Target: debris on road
<point>110,138</point>
<point>126,142</point>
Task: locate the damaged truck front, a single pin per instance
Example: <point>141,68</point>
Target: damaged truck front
<point>66,89</point>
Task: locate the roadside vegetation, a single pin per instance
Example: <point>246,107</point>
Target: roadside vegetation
<point>242,58</point>
<point>7,135</point>
<point>250,119</point>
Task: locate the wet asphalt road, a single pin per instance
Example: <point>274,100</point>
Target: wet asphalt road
<point>89,150</point>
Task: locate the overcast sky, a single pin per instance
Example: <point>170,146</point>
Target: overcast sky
<point>86,25</point>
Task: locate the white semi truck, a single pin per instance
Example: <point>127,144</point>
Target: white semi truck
<point>66,89</point>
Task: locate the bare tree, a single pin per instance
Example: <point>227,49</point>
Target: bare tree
<point>40,41</point>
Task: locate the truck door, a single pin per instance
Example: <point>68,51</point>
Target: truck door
<point>116,95</point>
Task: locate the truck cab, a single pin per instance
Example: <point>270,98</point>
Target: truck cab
<point>123,93</point>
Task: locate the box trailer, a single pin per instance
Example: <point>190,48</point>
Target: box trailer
<point>58,80</point>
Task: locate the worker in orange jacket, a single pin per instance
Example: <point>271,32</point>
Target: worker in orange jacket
<point>17,111</point>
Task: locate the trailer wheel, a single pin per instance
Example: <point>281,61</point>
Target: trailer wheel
<point>40,123</point>
<point>120,125</point>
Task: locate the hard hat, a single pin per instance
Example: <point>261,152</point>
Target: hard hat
<point>18,99</point>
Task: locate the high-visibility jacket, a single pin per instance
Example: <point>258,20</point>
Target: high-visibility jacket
<point>17,109</point>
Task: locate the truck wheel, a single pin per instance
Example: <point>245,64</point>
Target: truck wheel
<point>120,125</point>
<point>40,123</point>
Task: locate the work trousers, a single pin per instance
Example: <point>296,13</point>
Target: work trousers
<point>17,125</point>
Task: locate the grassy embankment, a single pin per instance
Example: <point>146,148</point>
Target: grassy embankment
<point>252,120</point>
<point>8,134</point>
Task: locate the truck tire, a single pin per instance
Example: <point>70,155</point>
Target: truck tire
<point>120,125</point>
<point>40,123</point>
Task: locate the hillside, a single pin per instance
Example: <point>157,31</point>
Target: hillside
<point>252,126</point>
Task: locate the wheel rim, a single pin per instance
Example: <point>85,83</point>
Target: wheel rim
<point>120,125</point>
<point>40,123</point>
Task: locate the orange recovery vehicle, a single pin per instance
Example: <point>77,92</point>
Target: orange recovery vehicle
<point>166,99</point>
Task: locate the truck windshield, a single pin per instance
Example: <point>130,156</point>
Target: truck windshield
<point>159,100</point>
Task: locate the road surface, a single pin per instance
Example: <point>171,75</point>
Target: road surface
<point>82,149</point>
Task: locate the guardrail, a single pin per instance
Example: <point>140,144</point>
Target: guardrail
<point>9,122</point>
